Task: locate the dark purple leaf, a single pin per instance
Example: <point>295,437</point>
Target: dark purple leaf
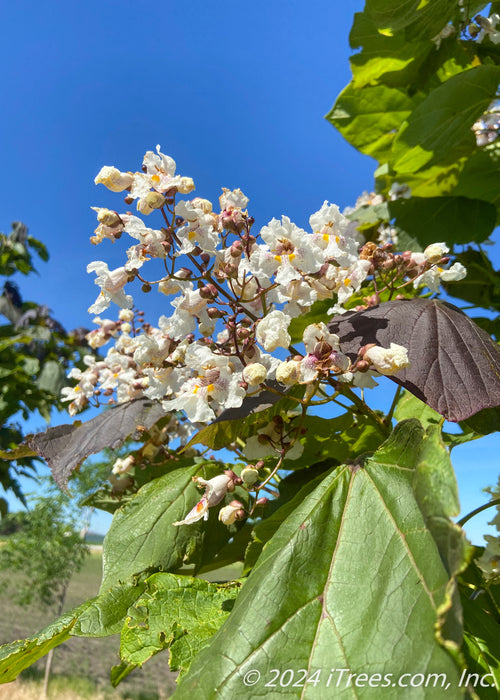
<point>454,364</point>
<point>66,446</point>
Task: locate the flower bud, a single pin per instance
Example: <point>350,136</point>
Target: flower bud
<point>288,373</point>
<point>155,200</point>
<point>113,179</point>
<point>209,291</point>
<point>231,513</point>
<point>186,185</point>
<point>254,374</point>
<point>434,252</point>
<point>250,475</point>
<point>213,312</point>
<point>263,501</point>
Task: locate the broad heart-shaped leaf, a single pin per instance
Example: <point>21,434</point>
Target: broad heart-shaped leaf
<point>142,535</point>
<point>454,364</point>
<point>439,129</point>
<point>176,612</point>
<point>17,656</point>
<point>66,446</point>
<point>351,580</point>
<point>450,219</point>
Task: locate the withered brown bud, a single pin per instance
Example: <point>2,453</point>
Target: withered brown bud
<point>146,287</point>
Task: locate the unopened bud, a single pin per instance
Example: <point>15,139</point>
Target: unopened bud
<point>231,513</point>
<point>236,249</point>
<point>146,287</point>
<point>250,476</point>
<point>214,312</point>
<point>129,200</point>
<point>209,291</point>
<point>362,366</point>
<point>155,200</point>
<point>184,273</point>
<point>263,501</point>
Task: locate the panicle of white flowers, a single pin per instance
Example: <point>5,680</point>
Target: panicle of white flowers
<point>232,294</point>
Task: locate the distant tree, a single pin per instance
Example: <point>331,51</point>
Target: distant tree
<point>35,354</point>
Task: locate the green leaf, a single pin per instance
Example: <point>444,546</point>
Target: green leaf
<point>436,491</point>
<point>422,18</point>
<point>142,535</point>
<point>342,438</point>
<point>392,60</point>
<point>449,219</point>
<point>439,128</point>
<point>409,406</point>
<point>352,579</point>
<point>481,287</point>
<point>480,176</point>
<point>105,614</point>
<point>480,647</point>
<point>176,612</point>
<point>52,377</point>
<point>369,117</point>
<point>17,656</point>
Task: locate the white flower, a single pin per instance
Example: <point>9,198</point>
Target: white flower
<point>254,374</point>
<point>272,331</point>
<point>113,179</point>
<point>317,333</point>
<point>234,199</point>
<point>388,361</point>
<point>215,490</point>
<point>488,28</point>
<point>111,284</point>
<point>289,252</point>
<point>122,466</point>
<point>455,273</point>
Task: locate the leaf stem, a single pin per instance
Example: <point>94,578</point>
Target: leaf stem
<point>490,504</point>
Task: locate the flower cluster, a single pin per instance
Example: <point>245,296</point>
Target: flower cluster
<point>233,295</point>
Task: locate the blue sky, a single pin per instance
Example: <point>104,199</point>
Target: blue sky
<point>234,91</point>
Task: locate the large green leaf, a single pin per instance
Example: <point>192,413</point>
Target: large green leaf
<point>176,612</point>
<point>392,60</point>
<point>370,117</point>
<point>449,219</point>
<point>17,656</point>
<point>142,535</point>
<point>352,580</point>
<point>439,128</point>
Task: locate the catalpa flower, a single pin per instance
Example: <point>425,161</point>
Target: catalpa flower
<point>387,361</point>
<point>111,284</point>
<point>215,490</point>
<point>289,252</point>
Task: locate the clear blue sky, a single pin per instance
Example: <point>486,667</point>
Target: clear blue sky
<point>234,91</point>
